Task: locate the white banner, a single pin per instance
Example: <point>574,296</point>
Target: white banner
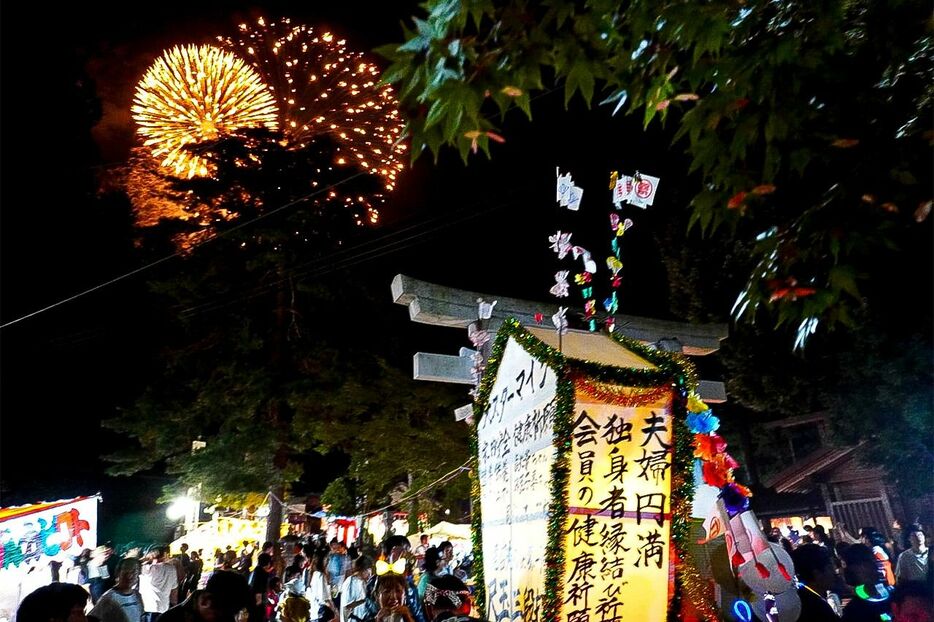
<point>516,453</point>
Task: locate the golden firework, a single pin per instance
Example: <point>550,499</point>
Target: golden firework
<point>193,94</point>
<point>323,88</point>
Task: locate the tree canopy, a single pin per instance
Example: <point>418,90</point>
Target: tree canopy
<point>262,359</point>
<point>806,123</point>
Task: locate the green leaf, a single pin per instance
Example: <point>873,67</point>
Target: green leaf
<point>580,78</point>
<point>843,278</point>
<point>524,104</point>
<point>389,51</point>
<point>452,122</point>
<point>435,113</point>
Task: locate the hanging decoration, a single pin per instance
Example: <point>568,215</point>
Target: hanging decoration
<point>614,264</point>
<point>560,288</point>
<point>763,567</point>
<point>568,195</point>
<point>560,320</point>
<point>638,189</point>
<point>479,337</point>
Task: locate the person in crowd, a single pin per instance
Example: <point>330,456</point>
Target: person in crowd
<point>122,602</point>
<point>158,583</point>
<point>99,572</point>
<point>871,537</point>
<point>230,561</point>
<point>338,567</point>
<point>913,562</point>
<point>447,558</point>
<point>912,602</point>
<point>197,567</point>
<point>447,599</point>
<point>318,590</point>
<point>259,584</point>
<point>224,598</point>
<point>432,566</point>
<point>353,591</point>
<point>420,551</point>
<point>872,597</point>
<point>80,573</point>
<point>272,597</point>
<point>293,576</point>
<point>218,558</point>
<point>244,564</point>
<point>56,602</point>
<point>816,576</point>
<point>395,548</point>
<point>55,567</point>
<point>390,593</point>
<point>822,538</point>
<point>352,552</point>
<point>183,560</point>
<point>775,535</point>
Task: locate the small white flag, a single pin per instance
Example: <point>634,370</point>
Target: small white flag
<point>574,198</point>
<point>567,194</point>
<point>643,190</point>
<point>638,190</point>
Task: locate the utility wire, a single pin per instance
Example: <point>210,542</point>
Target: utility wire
<point>199,244</point>
<point>179,253</point>
<point>335,262</point>
<point>441,480</point>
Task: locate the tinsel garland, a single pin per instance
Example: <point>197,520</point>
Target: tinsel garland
<point>618,395</point>
<point>673,373</point>
<point>476,533</point>
<point>553,597</point>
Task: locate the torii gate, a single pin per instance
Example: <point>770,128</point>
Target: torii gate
<point>445,306</point>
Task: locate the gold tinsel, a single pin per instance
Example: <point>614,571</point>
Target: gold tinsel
<point>619,395</point>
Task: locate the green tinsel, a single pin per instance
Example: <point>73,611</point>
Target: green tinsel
<point>671,369</point>
<point>476,533</point>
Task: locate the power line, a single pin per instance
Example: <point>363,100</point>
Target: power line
<point>179,253</point>
<point>199,244</point>
<point>341,260</point>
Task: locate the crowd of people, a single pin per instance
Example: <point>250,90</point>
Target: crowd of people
<point>312,582</point>
<point>840,576</point>
<point>864,578</point>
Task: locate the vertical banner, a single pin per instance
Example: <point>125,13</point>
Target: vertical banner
<point>619,514</point>
<point>516,453</point>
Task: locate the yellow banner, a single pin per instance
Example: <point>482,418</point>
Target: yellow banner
<point>618,529</point>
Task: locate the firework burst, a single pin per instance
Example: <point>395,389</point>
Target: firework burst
<point>322,87</point>
<point>193,94</point>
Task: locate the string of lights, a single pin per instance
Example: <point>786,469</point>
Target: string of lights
<point>441,480</point>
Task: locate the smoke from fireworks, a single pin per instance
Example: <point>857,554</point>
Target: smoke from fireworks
<point>193,94</point>
<point>322,87</point>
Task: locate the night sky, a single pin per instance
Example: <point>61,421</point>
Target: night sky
<point>64,370</point>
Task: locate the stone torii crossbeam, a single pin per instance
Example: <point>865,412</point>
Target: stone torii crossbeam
<point>445,306</point>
